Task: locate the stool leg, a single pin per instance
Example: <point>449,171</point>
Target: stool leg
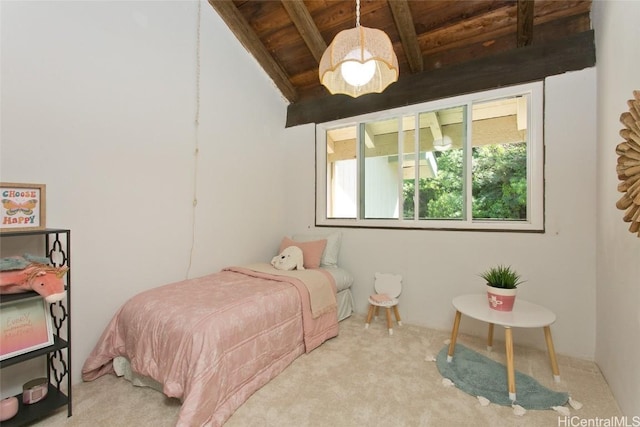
<point>490,338</point>
<point>389,324</point>
<point>395,311</point>
<point>552,354</point>
<point>369,314</point>
<point>377,309</point>
<point>454,336</point>
<point>511,377</point>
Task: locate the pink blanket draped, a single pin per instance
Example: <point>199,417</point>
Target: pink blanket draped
<point>214,340</point>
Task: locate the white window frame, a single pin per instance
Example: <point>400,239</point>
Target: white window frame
<point>535,166</point>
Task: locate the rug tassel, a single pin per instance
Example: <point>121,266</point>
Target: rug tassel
<point>574,403</point>
<point>562,410</point>
<point>518,410</point>
<point>447,382</point>
<point>483,401</point>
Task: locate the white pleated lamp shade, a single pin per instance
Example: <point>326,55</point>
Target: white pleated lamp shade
<point>360,60</point>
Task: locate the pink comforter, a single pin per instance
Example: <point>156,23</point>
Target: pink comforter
<point>213,341</point>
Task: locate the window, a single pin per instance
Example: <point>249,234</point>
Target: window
<point>470,162</point>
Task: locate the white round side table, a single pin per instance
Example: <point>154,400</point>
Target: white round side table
<point>524,315</point>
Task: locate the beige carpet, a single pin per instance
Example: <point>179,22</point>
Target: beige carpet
<point>361,378</point>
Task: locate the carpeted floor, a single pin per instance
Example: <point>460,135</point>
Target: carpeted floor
<point>361,378</point>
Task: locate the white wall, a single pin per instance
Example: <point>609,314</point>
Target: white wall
<point>99,103</point>
<point>618,267</point>
<point>559,265</point>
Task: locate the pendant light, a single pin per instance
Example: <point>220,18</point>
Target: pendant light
<point>359,60</point>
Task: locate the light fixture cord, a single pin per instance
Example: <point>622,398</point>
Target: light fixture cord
<point>197,142</point>
<point>357,13</point>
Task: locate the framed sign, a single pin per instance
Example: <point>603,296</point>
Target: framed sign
<point>25,325</point>
<point>23,206</point>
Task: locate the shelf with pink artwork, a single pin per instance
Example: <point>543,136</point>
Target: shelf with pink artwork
<point>37,324</point>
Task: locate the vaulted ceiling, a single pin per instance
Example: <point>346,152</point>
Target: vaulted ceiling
<point>444,48</point>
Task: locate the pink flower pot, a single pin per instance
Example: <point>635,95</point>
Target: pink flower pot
<point>501,299</point>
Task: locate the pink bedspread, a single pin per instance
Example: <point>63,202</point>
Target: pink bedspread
<point>213,341</point>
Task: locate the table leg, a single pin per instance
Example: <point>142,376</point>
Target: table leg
<point>552,354</point>
<point>511,378</point>
<point>454,336</point>
<point>490,338</point>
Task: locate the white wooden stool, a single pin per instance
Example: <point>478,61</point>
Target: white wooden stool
<point>388,288</point>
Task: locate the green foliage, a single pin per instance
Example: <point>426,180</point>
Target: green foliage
<point>502,277</point>
<point>500,181</point>
<point>440,197</point>
<point>499,185</point>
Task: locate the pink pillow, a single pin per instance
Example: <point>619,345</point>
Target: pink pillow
<point>311,251</point>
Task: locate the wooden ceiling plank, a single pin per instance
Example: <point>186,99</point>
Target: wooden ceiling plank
<point>249,39</point>
<point>265,17</point>
<point>463,32</point>
<point>526,64</point>
<point>407,30</point>
<point>496,42</point>
<point>306,27</point>
<point>525,23</point>
<point>287,37</point>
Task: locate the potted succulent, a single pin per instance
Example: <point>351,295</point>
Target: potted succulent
<point>502,283</point>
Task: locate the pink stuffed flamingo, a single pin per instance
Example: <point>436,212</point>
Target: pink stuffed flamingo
<point>42,278</point>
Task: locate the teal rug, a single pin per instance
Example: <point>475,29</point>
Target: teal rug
<point>478,375</point>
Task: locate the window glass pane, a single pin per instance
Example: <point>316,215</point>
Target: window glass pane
<point>471,162</point>
<point>381,172</point>
<point>499,180</point>
<point>409,166</point>
<point>442,139</point>
<point>342,199</point>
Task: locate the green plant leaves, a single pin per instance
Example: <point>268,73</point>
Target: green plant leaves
<point>502,277</point>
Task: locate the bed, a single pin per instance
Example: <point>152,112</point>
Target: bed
<point>213,341</point>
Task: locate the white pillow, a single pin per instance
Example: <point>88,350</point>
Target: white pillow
<point>331,251</point>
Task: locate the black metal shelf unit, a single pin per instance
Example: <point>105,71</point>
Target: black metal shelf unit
<point>57,247</point>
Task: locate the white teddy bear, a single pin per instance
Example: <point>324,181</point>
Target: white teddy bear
<point>289,259</point>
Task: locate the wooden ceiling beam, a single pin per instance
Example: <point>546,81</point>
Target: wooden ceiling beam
<point>307,28</point>
<point>250,40</point>
<point>525,23</point>
<point>527,64</point>
<point>407,30</point>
